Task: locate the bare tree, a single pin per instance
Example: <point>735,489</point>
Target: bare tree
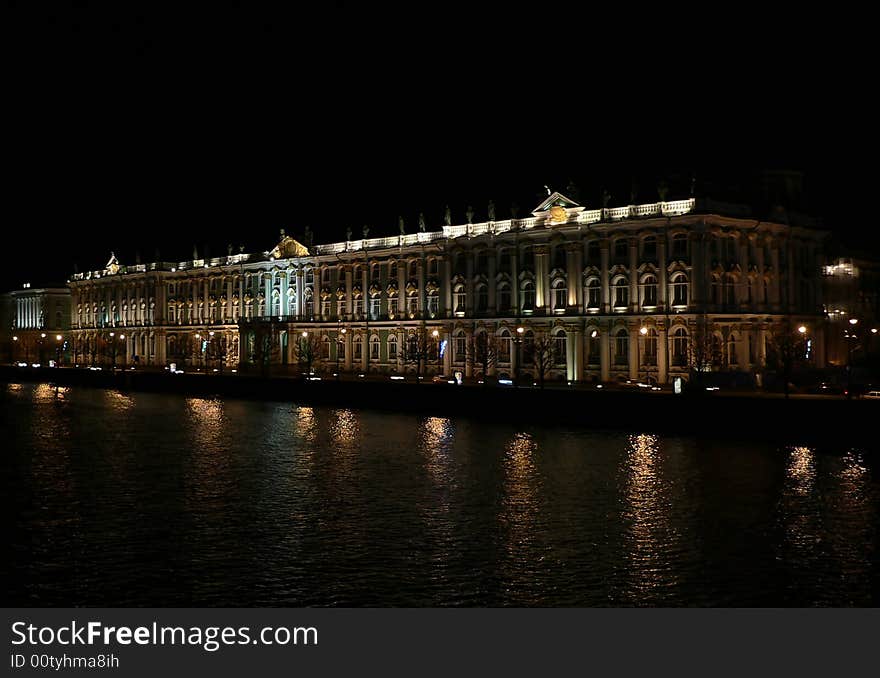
<point>308,351</point>
<point>418,348</point>
<point>482,351</point>
<point>786,349</point>
<point>540,351</point>
<point>704,351</point>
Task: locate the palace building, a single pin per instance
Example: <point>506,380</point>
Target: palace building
<point>641,292</point>
<point>35,324</point>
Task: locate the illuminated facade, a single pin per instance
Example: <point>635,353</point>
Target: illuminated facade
<point>615,293</point>
<point>36,324</point>
<point>851,292</point>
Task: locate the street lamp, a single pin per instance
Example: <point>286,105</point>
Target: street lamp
<point>13,350</point>
<point>436,336</point>
<point>340,341</point>
<point>58,347</point>
<point>520,331</point>
<point>40,356</point>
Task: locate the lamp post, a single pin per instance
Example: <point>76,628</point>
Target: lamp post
<point>340,341</point>
<point>209,348</point>
<point>13,350</point>
<point>58,346</point>
<point>40,356</point>
<point>644,332</point>
<point>851,335</point>
<point>113,348</point>
<point>436,336</point>
<point>520,330</point>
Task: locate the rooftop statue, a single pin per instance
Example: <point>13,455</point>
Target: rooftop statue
<point>447,216</point>
<point>491,210</point>
<point>400,225</point>
<point>422,222</point>
<point>470,214</point>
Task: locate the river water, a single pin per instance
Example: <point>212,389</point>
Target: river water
<point>146,499</point>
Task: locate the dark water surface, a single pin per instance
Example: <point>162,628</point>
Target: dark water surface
<point>162,500</point>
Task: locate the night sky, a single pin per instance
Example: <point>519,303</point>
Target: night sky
<point>135,133</point>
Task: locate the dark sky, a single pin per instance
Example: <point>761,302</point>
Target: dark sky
<point>132,132</point>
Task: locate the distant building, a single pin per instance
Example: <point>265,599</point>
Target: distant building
<point>851,290</point>
<point>31,322</point>
<point>636,292</point>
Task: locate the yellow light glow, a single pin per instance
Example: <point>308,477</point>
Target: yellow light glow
<point>802,329</point>
<point>520,330</point>
<point>644,330</point>
<point>594,334</point>
<point>853,321</point>
<point>58,337</point>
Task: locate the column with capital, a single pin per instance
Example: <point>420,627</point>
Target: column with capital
<point>300,293</point>
<point>577,280</point>
<point>604,246</point>
<point>605,353</point>
<point>775,280</point>
<point>634,353</point>
<point>447,354</point>
<point>447,285</point>
<point>423,301</point>
<point>349,280</point>
<point>493,255</point>
<point>662,354</point>
<point>469,344</point>
<point>662,290</point>
<point>633,274</point>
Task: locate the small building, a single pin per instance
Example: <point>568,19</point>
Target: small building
<point>35,325</point>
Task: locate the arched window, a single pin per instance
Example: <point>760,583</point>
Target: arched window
<point>504,297</point>
<point>413,269</point>
<point>560,295</point>
<point>559,257</point>
<point>482,292</point>
<point>459,346</point>
<point>621,248</point>
<point>731,350</point>
<point>357,347</point>
<point>649,291</point>
<point>649,351</point>
<point>716,290</point>
<point>729,289</point>
<point>594,294</point>
<point>649,247</point>
<point>392,347</point>
<point>593,355</point>
<point>325,347</point>
<point>621,293</point>
<point>433,304</point>
<point>392,272</point>
<point>679,290</point>
<point>559,348</point>
<point>593,252</point>
<point>680,245</point>
<point>621,347</point>
<point>528,296</point>
<point>504,346</point>
<point>459,296</point>
<point>679,347</point>
<point>433,266</point>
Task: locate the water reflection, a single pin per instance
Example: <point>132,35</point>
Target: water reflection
<point>436,435</point>
<point>154,499</point>
<point>801,470</point>
<point>647,517</point>
<point>521,491</point>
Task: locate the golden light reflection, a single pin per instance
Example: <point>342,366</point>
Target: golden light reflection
<point>520,509</point>
<point>801,470</point>
<point>647,509</point>
<point>13,387</point>
<point>207,419</point>
<point>306,426</point>
<point>119,402</point>
<point>435,439</point>
<point>345,430</point>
